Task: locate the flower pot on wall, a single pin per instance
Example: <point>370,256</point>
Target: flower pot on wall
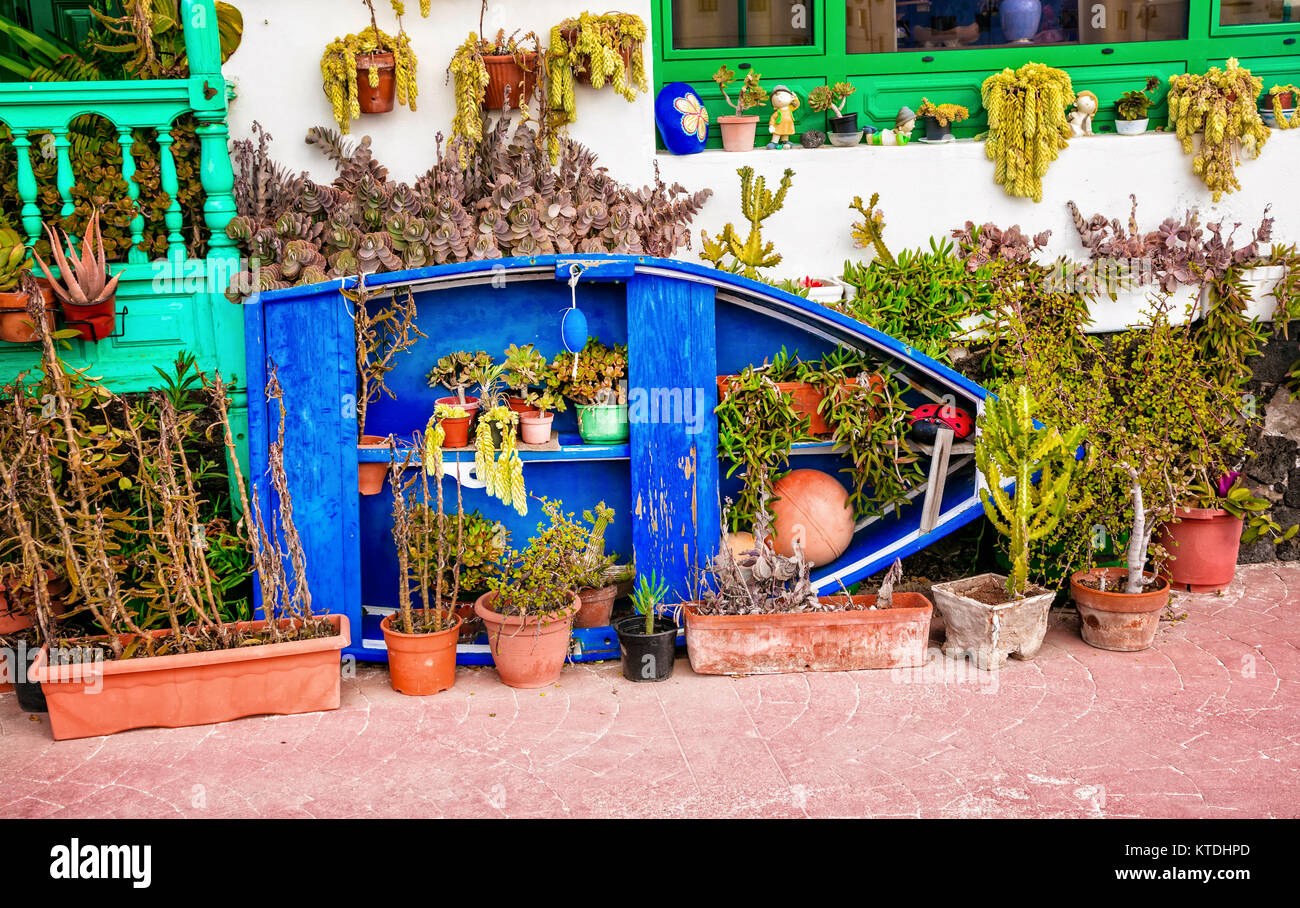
<point>647,657</point>
<point>375,99</point>
<point>455,431</point>
<point>1132,127</point>
<point>863,638</point>
<point>738,132</point>
<point>506,74</point>
<point>597,606</point>
<point>420,664</point>
<point>936,132</point>
<point>603,424</point>
<point>96,321</point>
<point>1203,548</point>
<point>301,676</point>
<point>1114,620</point>
<point>991,631</point>
<point>528,652</point>
<point>370,476</point>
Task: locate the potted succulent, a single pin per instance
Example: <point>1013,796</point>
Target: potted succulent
<point>739,129</point>
<point>535,422</point>
<point>380,337</point>
<point>455,372</point>
<point>85,291</point>
<point>597,387</point>
<point>421,642</point>
<point>1219,103</point>
<point>366,72</point>
<point>596,50</point>
<point>1279,107</point>
<point>500,74</point>
<point>496,454</point>
<point>833,98</point>
<point>759,614</point>
<point>601,578</point>
<point>529,609</point>
<point>1131,110</point>
<point>16,322</point>
<point>939,119</point>
<point>990,616</point>
<point>647,642</point>
<point>450,426</point>
<point>525,368</point>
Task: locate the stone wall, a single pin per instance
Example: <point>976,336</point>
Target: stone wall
<point>1275,470</point>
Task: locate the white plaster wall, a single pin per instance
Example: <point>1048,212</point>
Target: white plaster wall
<point>925,190</point>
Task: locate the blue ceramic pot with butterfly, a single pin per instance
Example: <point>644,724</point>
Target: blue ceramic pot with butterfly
<point>1020,19</point>
<point>682,120</point>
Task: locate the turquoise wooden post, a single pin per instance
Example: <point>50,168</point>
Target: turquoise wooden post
<point>173,217</point>
<point>125,139</point>
<point>66,178</point>
<point>27,188</point>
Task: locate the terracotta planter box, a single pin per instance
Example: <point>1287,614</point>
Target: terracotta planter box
<point>1203,549</point>
<point>991,633</point>
<point>1123,622</point>
<point>806,398</point>
<point>193,688</point>
<point>810,641</point>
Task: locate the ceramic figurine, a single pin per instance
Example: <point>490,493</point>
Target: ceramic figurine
<point>901,134</point>
<point>781,123</point>
<point>1085,108</point>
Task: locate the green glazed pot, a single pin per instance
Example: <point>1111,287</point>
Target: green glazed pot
<point>602,424</point>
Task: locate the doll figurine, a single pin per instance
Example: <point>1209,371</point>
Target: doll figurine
<point>901,134</point>
<point>1085,106</point>
<point>781,123</point>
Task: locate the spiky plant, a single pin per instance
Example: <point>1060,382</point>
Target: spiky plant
<point>84,276</point>
<point>757,204</point>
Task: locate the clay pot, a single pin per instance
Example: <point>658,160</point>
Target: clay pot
<point>528,652</point>
<point>420,664</point>
<point>597,606</point>
<point>187,689</point>
<point>812,512</point>
<point>16,324</point>
<point>455,430</point>
<point>738,132</point>
<point>991,633</point>
<point>810,641</point>
<point>379,98</point>
<point>535,427</point>
<point>1118,621</point>
<point>470,406</point>
<point>806,398</point>
<point>370,476</point>
<point>95,322</point>
<point>1202,549</point>
<point>519,405</point>
<point>12,620</point>
<point>505,74</point>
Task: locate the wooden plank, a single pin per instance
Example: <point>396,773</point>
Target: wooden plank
<point>938,477</point>
<point>672,373</point>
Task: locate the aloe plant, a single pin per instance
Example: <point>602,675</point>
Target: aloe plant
<point>85,280</point>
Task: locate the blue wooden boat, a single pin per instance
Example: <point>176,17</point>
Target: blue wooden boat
<point>683,323</point>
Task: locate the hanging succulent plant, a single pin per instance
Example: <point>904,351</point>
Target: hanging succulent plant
<point>598,49</point>
<point>1027,125</point>
<point>1220,107</point>
<point>340,70</point>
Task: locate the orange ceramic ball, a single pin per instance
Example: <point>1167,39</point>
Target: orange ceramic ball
<point>812,510</point>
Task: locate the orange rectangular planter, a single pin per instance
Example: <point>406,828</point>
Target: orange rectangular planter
<point>811,641</point>
<point>805,397</point>
<point>193,688</point>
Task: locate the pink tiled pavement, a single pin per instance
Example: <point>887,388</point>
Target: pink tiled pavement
<point>1205,724</point>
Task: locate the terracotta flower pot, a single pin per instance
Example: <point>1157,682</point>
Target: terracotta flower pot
<point>810,641</point>
<point>528,652</point>
<point>455,431</point>
<point>370,476</point>
<point>738,132</point>
<point>186,689</point>
<point>990,632</point>
<point>806,398</point>
<point>597,606</point>
<point>1118,621</point>
<point>374,99</point>
<point>519,405</point>
<point>1202,549</point>
<point>470,406</point>
<point>95,322</point>
<point>420,664</point>
<point>12,620</point>
<point>535,427</point>
<point>505,76</point>
<point>16,323</point>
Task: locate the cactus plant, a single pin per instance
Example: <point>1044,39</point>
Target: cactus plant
<point>757,204</point>
<point>1011,446</point>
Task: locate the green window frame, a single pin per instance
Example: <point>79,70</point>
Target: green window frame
<point>887,80</point>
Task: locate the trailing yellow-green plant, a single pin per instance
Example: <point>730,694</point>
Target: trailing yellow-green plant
<point>1220,106</point>
<point>943,114</point>
<point>1027,125</point>
<point>469,73</point>
<point>1275,100</point>
<point>606,48</point>
<point>757,204</point>
<point>338,65</point>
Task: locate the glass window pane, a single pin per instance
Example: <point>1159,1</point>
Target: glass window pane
<point>1258,12</point>
<point>876,26</point>
<point>742,23</point>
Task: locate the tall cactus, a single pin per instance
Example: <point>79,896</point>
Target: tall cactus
<point>757,204</point>
<point>1010,446</point>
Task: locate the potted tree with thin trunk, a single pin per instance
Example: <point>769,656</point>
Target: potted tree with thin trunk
<point>991,617</point>
<point>843,126</point>
<point>739,129</point>
<point>380,337</point>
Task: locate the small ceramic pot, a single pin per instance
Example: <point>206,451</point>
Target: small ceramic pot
<point>1132,127</point>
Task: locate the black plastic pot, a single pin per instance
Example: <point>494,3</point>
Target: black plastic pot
<point>934,132</point>
<point>845,124</point>
<point>647,657</point>
<point>30,696</point>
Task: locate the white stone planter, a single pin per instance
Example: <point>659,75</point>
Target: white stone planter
<point>1127,309</point>
<point>1132,127</point>
<point>1262,280</point>
<point>991,633</point>
<point>833,292</point>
